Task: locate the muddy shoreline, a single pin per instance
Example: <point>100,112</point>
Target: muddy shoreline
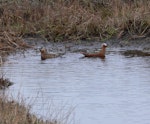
<point>142,45</point>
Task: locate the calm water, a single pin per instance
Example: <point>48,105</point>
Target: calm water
<point>115,90</point>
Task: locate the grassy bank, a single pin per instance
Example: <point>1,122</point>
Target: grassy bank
<point>76,19</point>
<point>12,112</point>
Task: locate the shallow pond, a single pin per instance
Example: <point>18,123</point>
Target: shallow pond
<point>101,91</point>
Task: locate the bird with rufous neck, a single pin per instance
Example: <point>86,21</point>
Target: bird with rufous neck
<point>100,54</point>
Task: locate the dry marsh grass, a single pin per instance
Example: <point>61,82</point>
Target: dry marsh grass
<point>76,19</point>
<point>12,112</point>
<point>10,42</point>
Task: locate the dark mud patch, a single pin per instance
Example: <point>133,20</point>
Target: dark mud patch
<point>80,46</point>
<point>135,53</point>
<point>138,47</point>
<point>65,46</point>
<point>138,44</point>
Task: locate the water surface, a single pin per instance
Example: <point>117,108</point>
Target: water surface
<point>103,91</point>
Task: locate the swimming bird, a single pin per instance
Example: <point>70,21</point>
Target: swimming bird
<point>45,55</point>
<point>100,54</point>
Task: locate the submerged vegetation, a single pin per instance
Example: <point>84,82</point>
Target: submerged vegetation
<point>4,82</point>
<point>76,19</point>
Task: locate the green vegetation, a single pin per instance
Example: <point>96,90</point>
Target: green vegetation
<point>76,19</point>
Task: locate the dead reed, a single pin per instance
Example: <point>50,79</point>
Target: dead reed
<point>10,42</point>
<point>76,19</point>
